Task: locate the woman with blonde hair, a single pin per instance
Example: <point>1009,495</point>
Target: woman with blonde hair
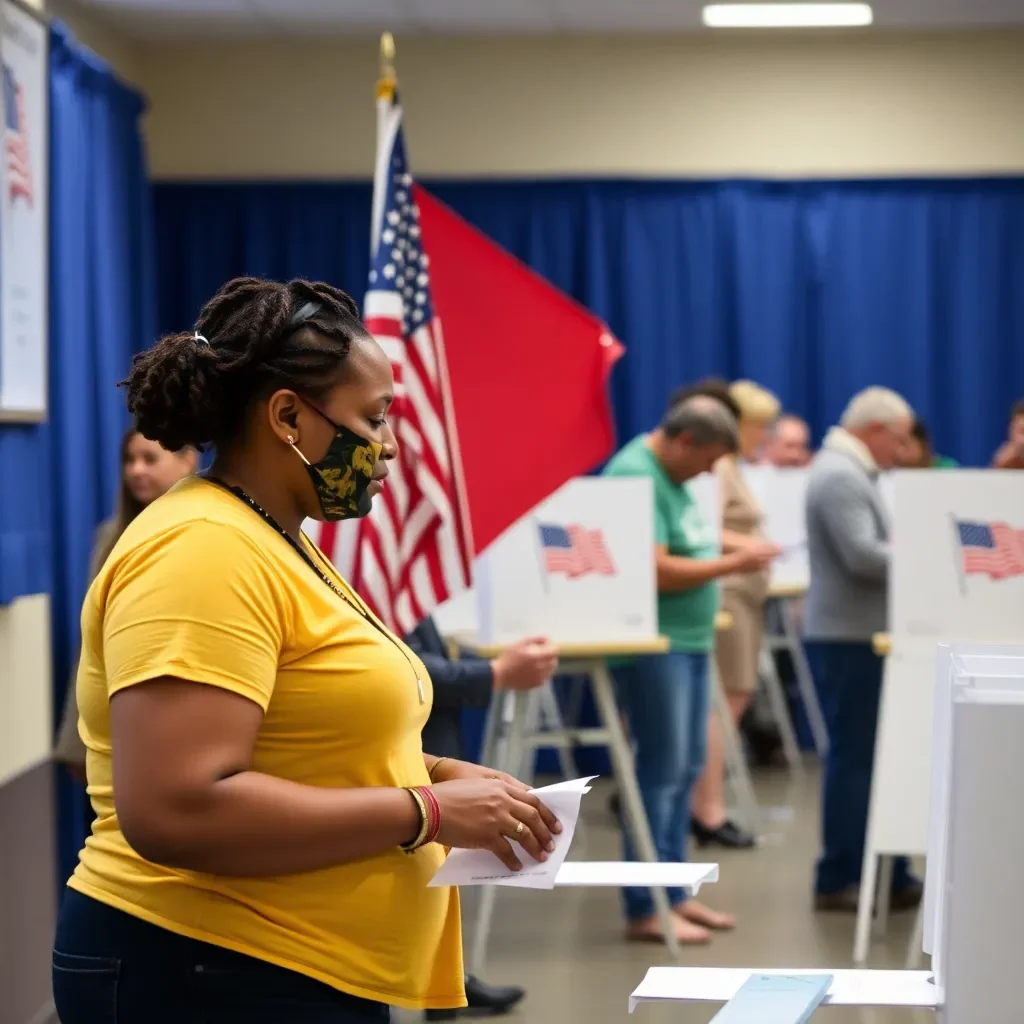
<point>147,472</point>
<point>737,649</point>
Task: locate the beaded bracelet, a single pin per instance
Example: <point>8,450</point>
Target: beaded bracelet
<point>434,812</point>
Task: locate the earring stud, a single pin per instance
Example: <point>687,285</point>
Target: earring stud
<point>291,440</point>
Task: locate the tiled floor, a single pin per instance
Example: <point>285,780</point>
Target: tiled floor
<point>566,945</point>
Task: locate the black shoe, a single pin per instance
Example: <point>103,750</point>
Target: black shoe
<point>615,805</point>
<point>907,898</point>
<point>483,998</point>
<point>728,834</point>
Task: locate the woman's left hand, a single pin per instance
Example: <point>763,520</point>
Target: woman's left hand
<point>448,769</point>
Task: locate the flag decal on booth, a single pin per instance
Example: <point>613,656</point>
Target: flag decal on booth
<point>17,153</point>
<point>995,550</point>
<point>575,551</point>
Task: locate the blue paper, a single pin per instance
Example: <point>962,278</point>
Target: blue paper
<point>775,999</point>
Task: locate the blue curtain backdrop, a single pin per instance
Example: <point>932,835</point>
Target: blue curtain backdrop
<point>814,289</point>
<point>102,311</point>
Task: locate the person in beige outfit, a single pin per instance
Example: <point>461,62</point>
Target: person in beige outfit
<point>737,649</point>
<point>147,472</point>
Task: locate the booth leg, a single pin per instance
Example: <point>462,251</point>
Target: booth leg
<point>804,679</point>
<point>735,761</point>
<point>914,948</point>
<point>551,717</point>
<point>882,897</point>
<point>780,712</point>
<point>865,905</point>
<point>509,711</point>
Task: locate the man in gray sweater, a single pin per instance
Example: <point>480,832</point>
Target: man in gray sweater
<point>848,543</point>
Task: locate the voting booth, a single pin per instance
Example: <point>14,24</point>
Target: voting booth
<point>957,576</point>
<point>782,494</point>
<point>579,568</point>
<point>973,900</point>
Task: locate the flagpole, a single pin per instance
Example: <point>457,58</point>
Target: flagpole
<point>388,78</point>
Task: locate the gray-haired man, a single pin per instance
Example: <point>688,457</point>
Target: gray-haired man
<point>848,543</point>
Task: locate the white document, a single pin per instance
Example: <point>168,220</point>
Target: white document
<point>481,867</point>
<point>625,874</point>
<point>848,988</point>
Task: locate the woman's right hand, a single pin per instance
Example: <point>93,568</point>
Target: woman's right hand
<point>483,814</point>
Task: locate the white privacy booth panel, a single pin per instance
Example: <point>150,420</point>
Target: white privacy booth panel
<point>578,569</point>
<point>782,495</point>
<point>958,558</point>
<point>974,903</point>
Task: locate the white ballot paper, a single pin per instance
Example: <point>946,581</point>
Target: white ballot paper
<point>481,867</point>
<point>848,988</point>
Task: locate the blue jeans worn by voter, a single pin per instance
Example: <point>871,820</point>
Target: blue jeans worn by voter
<point>665,699</point>
<point>848,678</point>
<point>110,967</point>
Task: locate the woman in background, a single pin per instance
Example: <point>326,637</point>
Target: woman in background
<point>737,650</point>
<point>147,471</point>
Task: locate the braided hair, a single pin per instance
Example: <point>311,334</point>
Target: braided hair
<point>262,335</point>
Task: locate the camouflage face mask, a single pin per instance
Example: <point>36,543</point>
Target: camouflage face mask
<point>341,477</point>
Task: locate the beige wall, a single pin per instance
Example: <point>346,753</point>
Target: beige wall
<point>851,105</point>
<point>92,30</point>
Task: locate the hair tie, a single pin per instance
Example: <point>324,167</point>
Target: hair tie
<point>200,339</point>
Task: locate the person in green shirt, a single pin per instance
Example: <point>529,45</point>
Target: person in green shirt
<point>666,697</point>
<point>919,453</point>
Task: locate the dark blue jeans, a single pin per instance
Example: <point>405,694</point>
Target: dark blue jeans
<point>848,678</point>
<point>665,698</point>
<point>112,968</point>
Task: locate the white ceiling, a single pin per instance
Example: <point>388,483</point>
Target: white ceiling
<point>191,18</point>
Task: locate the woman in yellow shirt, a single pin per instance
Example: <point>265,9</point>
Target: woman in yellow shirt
<point>266,819</point>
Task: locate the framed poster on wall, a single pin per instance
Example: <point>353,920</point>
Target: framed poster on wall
<point>24,193</point>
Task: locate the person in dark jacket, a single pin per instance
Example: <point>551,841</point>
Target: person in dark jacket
<point>466,681</point>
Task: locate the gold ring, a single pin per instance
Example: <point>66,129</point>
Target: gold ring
<point>520,829</point>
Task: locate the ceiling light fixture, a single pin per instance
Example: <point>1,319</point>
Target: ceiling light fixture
<point>799,15</point>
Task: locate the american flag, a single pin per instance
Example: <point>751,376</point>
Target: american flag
<point>413,551</point>
<point>995,550</point>
<point>17,154</point>
<point>575,550</point>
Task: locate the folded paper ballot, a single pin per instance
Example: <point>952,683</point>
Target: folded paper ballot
<point>481,867</point>
<point>775,999</point>
<point>848,988</point>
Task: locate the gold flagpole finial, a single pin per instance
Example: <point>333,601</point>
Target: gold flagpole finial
<point>388,79</point>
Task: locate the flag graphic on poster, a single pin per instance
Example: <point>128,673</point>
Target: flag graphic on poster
<point>413,551</point>
<point>17,152</point>
<point>995,550</point>
<point>574,550</point>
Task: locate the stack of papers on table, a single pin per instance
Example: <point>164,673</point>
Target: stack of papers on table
<point>848,988</point>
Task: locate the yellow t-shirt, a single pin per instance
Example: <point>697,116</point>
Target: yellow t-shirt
<point>201,588</point>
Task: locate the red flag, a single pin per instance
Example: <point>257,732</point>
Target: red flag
<point>527,367</point>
